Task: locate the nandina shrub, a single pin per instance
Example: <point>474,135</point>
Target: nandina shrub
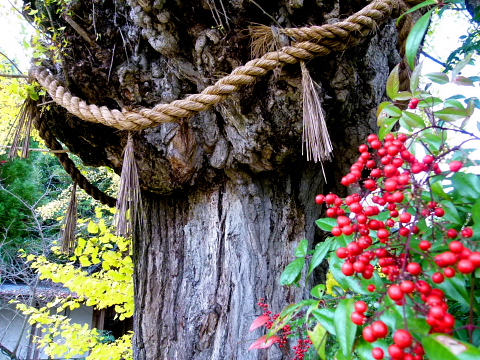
<point>403,247</point>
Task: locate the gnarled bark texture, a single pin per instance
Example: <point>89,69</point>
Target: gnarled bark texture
<point>227,193</point>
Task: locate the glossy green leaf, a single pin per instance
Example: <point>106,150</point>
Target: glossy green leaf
<point>429,101</point>
<point>414,120</point>
<point>346,330</point>
<point>437,189</point>
<point>455,288</point>
<point>415,38</point>
<point>415,77</point>
<point>393,316</point>
<point>451,213</point>
<point>444,347</point>
<point>386,127</point>
<point>292,272</point>
<point>451,114</point>
<point>438,77</point>
<point>393,83</point>
<point>461,64</point>
<point>326,224</point>
<point>326,318</point>
<point>463,81</point>
<point>319,339</point>
<point>475,211</point>
<point>302,248</point>
<point>402,95</point>
<point>382,106</point>
<point>415,8</point>
<point>466,185</point>
<point>318,291</point>
<point>321,250</point>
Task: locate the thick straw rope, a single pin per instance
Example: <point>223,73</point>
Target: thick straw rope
<point>321,40</point>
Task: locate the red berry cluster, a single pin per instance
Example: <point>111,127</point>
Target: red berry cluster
<point>301,349</point>
<point>394,185</point>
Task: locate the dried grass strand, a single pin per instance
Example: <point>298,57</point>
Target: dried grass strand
<point>70,224</point>
<point>316,140</point>
<point>129,202</point>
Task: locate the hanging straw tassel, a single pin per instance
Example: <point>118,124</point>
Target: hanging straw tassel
<point>68,237</point>
<point>316,140</point>
<point>23,128</point>
<point>129,202</point>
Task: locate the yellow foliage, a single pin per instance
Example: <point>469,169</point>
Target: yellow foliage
<point>111,285</point>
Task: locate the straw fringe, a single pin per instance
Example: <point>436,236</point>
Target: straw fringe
<point>68,236</point>
<point>316,140</point>
<point>23,129</point>
<point>129,202</point>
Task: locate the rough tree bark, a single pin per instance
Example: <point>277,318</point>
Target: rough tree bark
<point>227,194</point>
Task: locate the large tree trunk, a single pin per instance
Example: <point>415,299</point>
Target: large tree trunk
<point>227,194</point>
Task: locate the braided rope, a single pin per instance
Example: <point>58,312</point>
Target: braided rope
<point>320,41</point>
<point>69,166</point>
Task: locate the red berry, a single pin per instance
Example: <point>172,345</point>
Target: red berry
<point>380,329</point>
<point>413,103</point>
<point>414,268</point>
<point>465,266</point>
<point>407,286</point>
<point>425,245</point>
<point>395,292</point>
<point>403,338</point>
<point>396,352</point>
<point>449,272</point>
<point>320,199</point>
<point>371,288</point>
<point>342,253</point>
<point>456,247</point>
<point>336,231</point>
<point>452,233</point>
<point>347,269</point>
<point>330,199</point>
<point>439,212</point>
<point>467,233</point>
<point>438,278</point>
<point>446,259</point>
<point>372,137</point>
<point>378,353</point>
<point>361,306</point>
<point>405,217</point>
<point>455,166</point>
<point>429,159</point>
<point>475,258</point>
<point>363,148</point>
<point>358,318</point>
<point>368,334</point>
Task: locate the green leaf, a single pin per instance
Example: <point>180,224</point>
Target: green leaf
<point>437,189</point>
<point>319,339</point>
<point>393,83</point>
<point>456,289</point>
<point>326,318</point>
<point>403,95</point>
<point>461,64</point>
<point>415,78</point>
<point>318,291</point>
<point>414,120</point>
<point>393,316</point>
<point>415,37</point>
<point>292,272</point>
<point>344,327</point>
<point>444,347</point>
<point>454,103</point>
<point>433,140</point>
<point>382,106</point>
<point>462,81</point>
<point>429,101</point>
<point>386,127</point>
<point>438,77</point>
<point>326,224</point>
<point>475,211</point>
<point>321,251</point>
<point>451,213</point>
<point>416,7</point>
<point>451,114</point>
<point>302,248</point>
<point>466,185</point>
<point>392,110</point>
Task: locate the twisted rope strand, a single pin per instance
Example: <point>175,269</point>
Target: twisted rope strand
<point>313,41</point>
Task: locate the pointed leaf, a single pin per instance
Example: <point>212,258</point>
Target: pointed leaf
<point>326,224</point>
<point>319,339</point>
<point>414,120</point>
<point>463,81</point>
<point>415,37</point>
<point>444,347</point>
<point>346,330</point>
<point>259,322</point>
<point>321,251</point>
<point>438,77</point>
<point>415,77</point>
<point>318,291</point>
<point>451,114</point>
<point>393,83</point>
<point>264,343</point>
<point>302,248</point>
<point>416,7</point>
<point>325,317</point>
<point>292,272</point>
